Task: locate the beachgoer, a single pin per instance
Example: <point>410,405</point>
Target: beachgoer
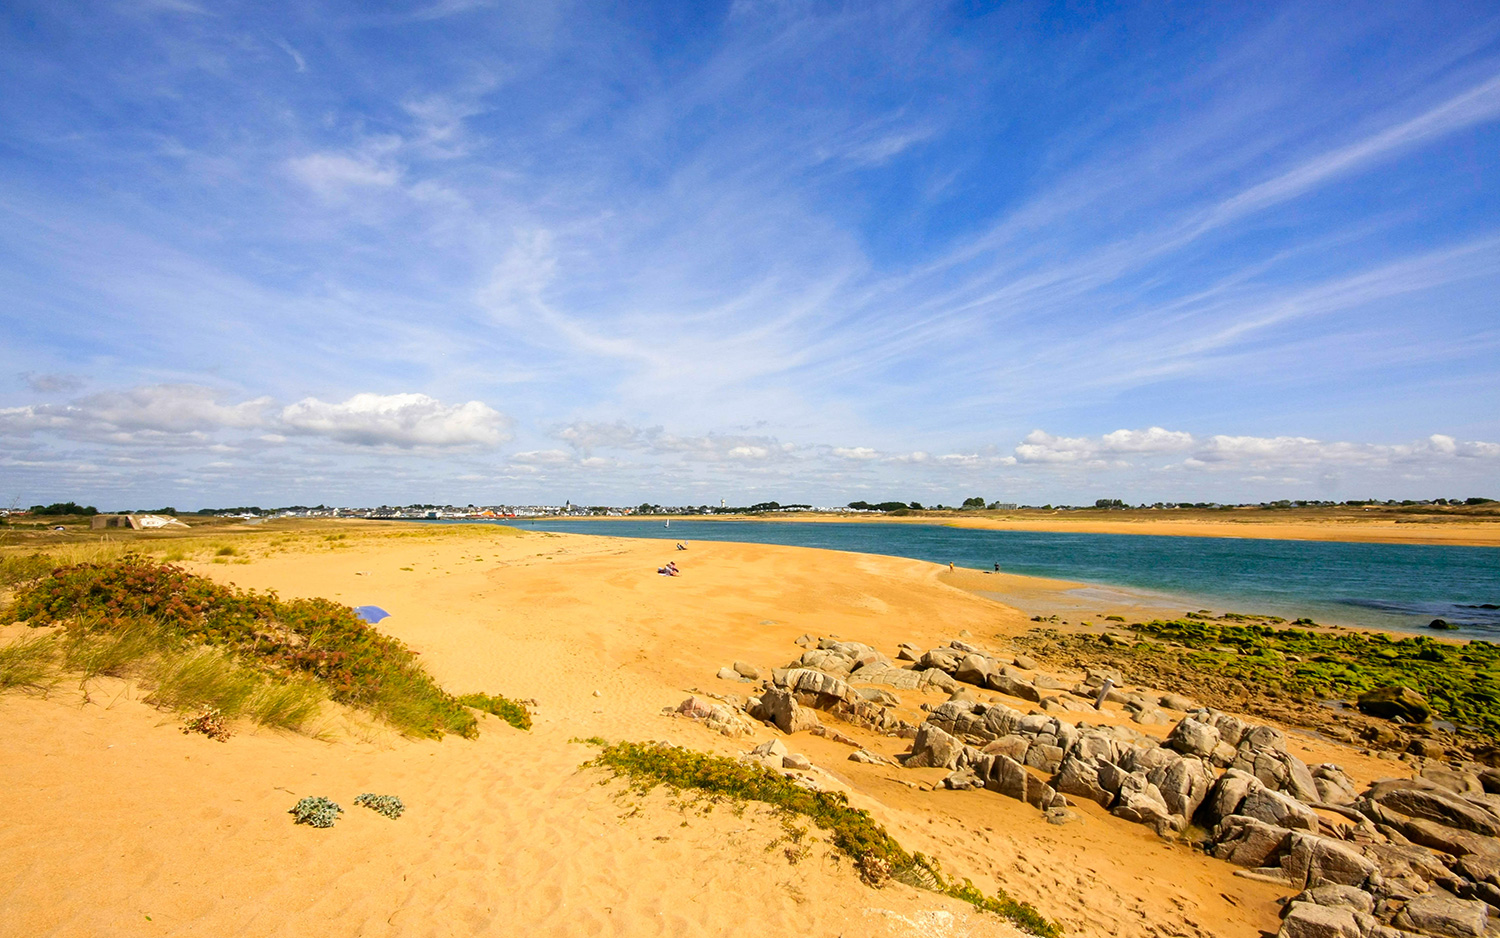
<point>681,546</point>
<point>950,566</point>
<point>997,567</point>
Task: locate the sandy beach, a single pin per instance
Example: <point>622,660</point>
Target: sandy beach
<point>117,823</point>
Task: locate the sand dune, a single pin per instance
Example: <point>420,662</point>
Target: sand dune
<point>116,823</point>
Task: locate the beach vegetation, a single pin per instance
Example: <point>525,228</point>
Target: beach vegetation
<point>852,831</point>
<point>131,609</point>
<point>315,811</point>
<point>385,805</point>
<point>510,711</point>
<point>28,664</point>
<point>1461,681</point>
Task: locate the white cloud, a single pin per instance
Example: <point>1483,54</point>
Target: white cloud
<point>1235,452</point>
<point>403,420</point>
<point>333,174</point>
<point>856,453</point>
<point>543,457</point>
<point>153,412</point>
<point>51,384</point>
<point>586,436</point>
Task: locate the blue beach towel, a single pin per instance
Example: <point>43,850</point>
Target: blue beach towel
<point>371,614</point>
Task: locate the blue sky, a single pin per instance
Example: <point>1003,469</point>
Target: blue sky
<point>453,250</point>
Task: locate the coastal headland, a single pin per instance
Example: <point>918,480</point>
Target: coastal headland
<point>116,822</point>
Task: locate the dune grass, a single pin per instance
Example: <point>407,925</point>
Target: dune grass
<point>120,614</point>
<point>28,664</point>
<point>510,711</point>
<point>852,831</point>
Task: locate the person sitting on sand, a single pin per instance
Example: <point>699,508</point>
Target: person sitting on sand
<point>681,546</point>
<point>672,565</point>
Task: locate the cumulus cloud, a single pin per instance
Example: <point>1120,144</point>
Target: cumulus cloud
<point>403,420</point>
<point>856,453</point>
<point>543,457</point>
<point>152,412</point>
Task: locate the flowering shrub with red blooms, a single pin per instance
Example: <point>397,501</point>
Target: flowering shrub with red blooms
<point>359,665</point>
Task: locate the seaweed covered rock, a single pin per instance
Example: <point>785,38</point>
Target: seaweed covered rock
<point>1389,703</point>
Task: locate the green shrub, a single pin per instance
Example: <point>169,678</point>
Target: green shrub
<point>315,811</point>
<point>853,831</point>
<point>312,637</point>
<point>510,711</point>
<point>388,805</point>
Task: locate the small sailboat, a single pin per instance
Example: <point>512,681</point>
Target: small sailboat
<point>666,524</point>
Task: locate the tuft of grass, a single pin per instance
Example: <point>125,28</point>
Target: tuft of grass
<point>853,831</point>
<point>225,551</point>
<point>510,711</point>
<point>16,569</point>
<point>28,664</point>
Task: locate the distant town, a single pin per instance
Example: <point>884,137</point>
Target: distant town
<point>431,512</point>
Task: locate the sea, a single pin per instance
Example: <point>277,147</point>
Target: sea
<point>1387,586</point>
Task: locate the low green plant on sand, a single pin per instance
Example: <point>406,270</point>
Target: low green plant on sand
<point>508,710</point>
<point>128,610</point>
<point>853,832</point>
<point>315,811</point>
<point>387,805</point>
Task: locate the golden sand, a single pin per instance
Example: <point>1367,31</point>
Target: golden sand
<point>116,823</point>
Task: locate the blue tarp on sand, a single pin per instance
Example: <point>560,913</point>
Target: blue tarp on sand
<point>371,614</point>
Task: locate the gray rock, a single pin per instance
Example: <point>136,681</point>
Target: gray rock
<point>943,659</point>
<point>1150,717</point>
<point>1461,783</point>
<point>809,681</point>
<point>1012,687</point>
<point>1306,920</point>
<point>974,669</point>
<point>1193,738</point>
<point>878,695</point>
<point>1184,785</point>
<point>1277,770</point>
<point>1024,663</point>
<point>1316,861</point>
<point>908,654</point>
<point>1080,778</point>
<point>1277,808</point>
<point>1011,746</point>
<point>1229,793</point>
<point>1334,786</point>
<point>1231,728</point>
<point>1047,682</point>
<point>780,707</point>
<point>963,779</point>
<point>796,760</point>
<point>747,671</point>
<point>867,757</point>
<point>1246,841</point>
<point>1263,737</point>
<point>771,747</point>
<point>1338,896</point>
<point>1044,757</point>
<point>1095,677</point>
<point>1008,777</point>
<point>728,674</point>
<point>1444,807</point>
<point>933,748</point>
<point>1438,915</point>
<point>1111,777</point>
<point>1061,816</point>
<point>1177,702</point>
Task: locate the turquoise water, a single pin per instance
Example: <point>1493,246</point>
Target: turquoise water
<point>1379,585</point>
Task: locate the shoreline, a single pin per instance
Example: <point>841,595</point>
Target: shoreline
<point>1446,531</point>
